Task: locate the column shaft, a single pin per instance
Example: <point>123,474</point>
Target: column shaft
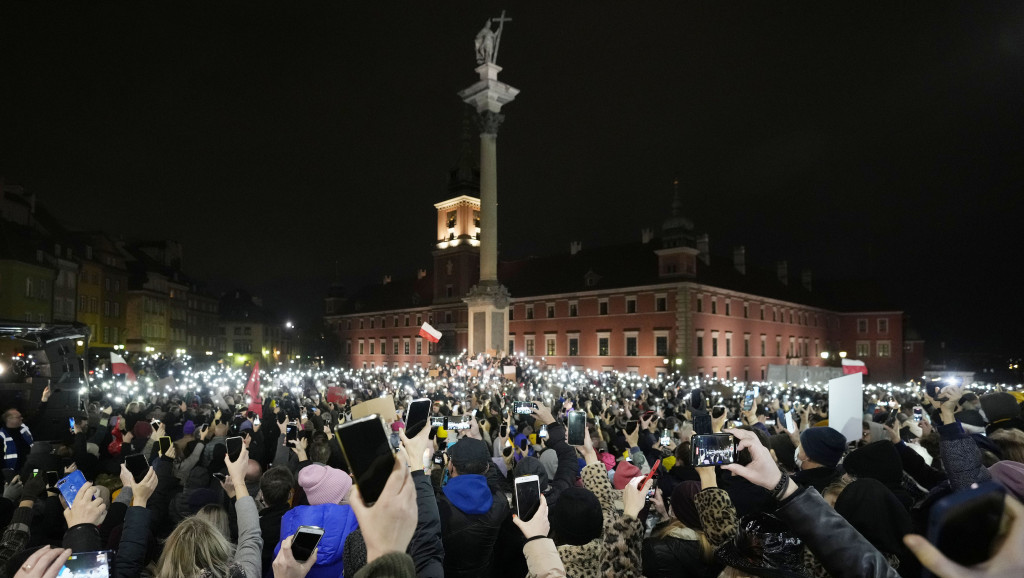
<point>488,208</point>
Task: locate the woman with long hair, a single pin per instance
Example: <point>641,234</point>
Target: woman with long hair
<point>197,547</point>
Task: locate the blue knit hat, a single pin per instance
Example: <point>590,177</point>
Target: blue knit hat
<point>823,445</point>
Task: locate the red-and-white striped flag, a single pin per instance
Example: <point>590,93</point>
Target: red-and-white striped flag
<point>854,366</point>
<point>118,366</point>
<point>429,333</point>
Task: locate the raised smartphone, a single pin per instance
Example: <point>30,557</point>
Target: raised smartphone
<point>527,497</point>
<point>713,449</point>
<point>305,541</point>
<point>367,449</point>
<point>577,427</point>
<point>416,417</point>
<point>234,447</point>
<point>137,465</point>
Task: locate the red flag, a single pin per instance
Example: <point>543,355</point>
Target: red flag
<point>429,333</point>
<point>252,389</point>
<point>118,366</point>
<point>854,366</point>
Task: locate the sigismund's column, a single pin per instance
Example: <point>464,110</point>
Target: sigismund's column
<point>488,300</point>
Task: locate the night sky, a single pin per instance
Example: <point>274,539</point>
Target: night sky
<point>873,142</point>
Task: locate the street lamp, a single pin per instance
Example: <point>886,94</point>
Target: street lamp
<point>842,354</point>
<point>824,355</point>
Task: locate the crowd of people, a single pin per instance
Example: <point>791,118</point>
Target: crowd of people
<point>791,496</point>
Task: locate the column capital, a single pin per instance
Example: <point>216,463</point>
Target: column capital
<point>488,122</point>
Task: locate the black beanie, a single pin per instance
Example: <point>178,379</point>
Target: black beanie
<point>878,460</point>
<point>999,406</point>
<point>823,445</point>
<point>576,518</point>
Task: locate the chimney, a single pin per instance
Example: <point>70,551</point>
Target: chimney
<point>805,279</point>
<point>782,268</point>
<point>575,247</point>
<point>646,235</point>
<point>702,245</point>
<point>387,279</point>
<point>421,273</point>
<point>739,259</point>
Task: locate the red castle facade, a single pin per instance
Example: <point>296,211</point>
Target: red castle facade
<point>658,305</point>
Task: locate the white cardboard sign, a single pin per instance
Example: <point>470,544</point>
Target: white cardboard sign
<point>846,405</point>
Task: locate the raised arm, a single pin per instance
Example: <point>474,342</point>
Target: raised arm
<point>715,508</point>
<point>426,547</point>
<point>249,550</point>
<point>131,552</point>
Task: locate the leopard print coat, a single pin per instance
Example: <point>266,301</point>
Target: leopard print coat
<point>617,552</point>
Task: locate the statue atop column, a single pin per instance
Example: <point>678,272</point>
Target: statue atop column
<point>488,41</point>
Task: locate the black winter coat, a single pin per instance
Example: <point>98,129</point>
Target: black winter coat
<point>470,539</point>
<point>674,557</point>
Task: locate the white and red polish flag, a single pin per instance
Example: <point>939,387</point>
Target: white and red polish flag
<point>854,366</point>
<point>429,333</point>
<point>118,366</point>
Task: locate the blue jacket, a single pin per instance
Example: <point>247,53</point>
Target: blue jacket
<point>336,520</point>
<point>471,518</point>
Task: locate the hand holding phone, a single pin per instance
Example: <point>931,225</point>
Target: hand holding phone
<point>527,492</point>
<point>538,524</point>
<point>748,401</point>
<point>234,446</point>
<point>390,523</point>
<point>1006,559</point>
<point>165,445</point>
<point>965,526</point>
<point>654,470</point>
<point>137,465</point>
<point>416,417</point>
<point>305,541</point>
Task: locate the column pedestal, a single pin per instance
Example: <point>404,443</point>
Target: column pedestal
<point>488,318</point>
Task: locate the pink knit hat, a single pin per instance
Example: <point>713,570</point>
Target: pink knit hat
<point>324,485</point>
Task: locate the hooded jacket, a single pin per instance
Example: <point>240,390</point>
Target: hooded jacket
<point>336,520</point>
<point>471,517</point>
